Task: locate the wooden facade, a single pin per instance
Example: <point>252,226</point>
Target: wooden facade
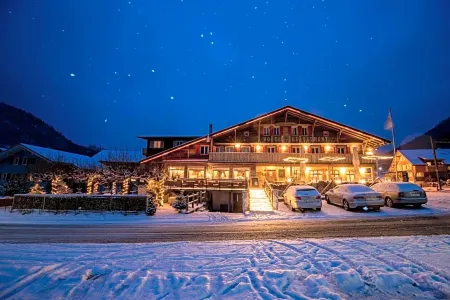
<point>281,146</point>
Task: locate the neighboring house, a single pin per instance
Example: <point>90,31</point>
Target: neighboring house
<point>156,144</point>
<point>284,145</point>
<point>419,165</point>
<point>23,160</point>
<point>115,157</point>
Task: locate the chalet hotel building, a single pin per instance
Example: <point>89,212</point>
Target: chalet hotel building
<point>285,145</point>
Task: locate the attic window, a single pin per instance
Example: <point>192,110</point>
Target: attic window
<point>246,133</point>
<point>156,144</point>
<point>16,160</point>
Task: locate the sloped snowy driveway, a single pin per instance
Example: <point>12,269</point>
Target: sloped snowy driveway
<point>369,268</point>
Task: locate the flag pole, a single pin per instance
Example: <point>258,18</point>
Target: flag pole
<point>393,143</point>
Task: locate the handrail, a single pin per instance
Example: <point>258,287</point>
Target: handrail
<point>197,198</point>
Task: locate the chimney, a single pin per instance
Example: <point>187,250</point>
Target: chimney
<point>208,139</point>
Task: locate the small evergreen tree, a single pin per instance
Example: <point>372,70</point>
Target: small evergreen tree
<point>59,186</point>
<point>180,202</point>
<point>151,207</point>
<point>37,189</point>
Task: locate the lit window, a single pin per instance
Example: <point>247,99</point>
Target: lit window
<point>156,144</point>
<point>276,131</point>
<point>266,131</point>
<point>304,131</point>
<point>176,172</point>
<point>419,174</point>
<point>16,160</point>
<point>204,150</point>
<point>295,131</point>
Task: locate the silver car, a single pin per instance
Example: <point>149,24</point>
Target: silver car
<point>351,196</point>
<point>401,193</point>
<point>302,197</point>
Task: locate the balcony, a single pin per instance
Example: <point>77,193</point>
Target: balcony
<point>254,157</point>
<point>207,184</point>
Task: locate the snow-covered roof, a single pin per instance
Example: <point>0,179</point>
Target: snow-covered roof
<point>60,156</point>
<point>117,156</point>
<point>416,157</point>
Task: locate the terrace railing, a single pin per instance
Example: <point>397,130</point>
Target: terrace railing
<point>207,184</point>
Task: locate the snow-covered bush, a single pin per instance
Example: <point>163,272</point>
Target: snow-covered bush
<point>180,202</point>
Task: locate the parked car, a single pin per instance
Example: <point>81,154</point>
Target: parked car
<point>401,193</point>
<point>302,197</point>
<point>351,196</point>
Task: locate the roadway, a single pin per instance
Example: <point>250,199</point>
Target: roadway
<point>257,230</point>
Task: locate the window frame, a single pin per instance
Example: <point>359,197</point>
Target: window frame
<point>274,148</point>
<point>16,160</point>
<point>153,144</point>
<point>298,149</point>
<point>266,131</point>
<point>278,131</point>
<point>313,148</point>
<point>245,147</point>
<point>339,148</point>
<point>304,131</point>
<point>227,148</point>
<point>294,131</point>
<point>202,151</point>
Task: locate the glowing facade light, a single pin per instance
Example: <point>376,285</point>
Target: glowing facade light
<point>362,171</point>
<point>296,159</point>
<point>305,147</point>
<point>307,169</point>
<point>375,157</point>
<point>331,158</point>
<point>237,145</point>
<point>343,170</point>
<point>327,148</point>
<point>258,148</point>
<point>283,148</point>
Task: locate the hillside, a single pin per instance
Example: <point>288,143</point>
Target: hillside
<point>18,126</point>
<point>441,132</point>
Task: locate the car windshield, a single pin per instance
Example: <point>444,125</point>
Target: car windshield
<point>404,187</point>
<point>305,190</point>
<point>358,188</point>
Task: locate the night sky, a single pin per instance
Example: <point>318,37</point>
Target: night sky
<point>103,72</point>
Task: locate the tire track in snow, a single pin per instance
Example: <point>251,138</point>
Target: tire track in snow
<point>418,266</point>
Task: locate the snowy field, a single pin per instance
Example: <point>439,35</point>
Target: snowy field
<point>365,268</point>
<point>438,204</point>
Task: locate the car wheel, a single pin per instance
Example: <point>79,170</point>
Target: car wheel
<point>389,202</point>
<point>319,209</point>
<point>327,199</point>
<point>346,205</point>
<point>417,205</point>
<point>376,208</point>
<point>292,207</point>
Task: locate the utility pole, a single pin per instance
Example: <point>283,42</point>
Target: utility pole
<point>435,164</point>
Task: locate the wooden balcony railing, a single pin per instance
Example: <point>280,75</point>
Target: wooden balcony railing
<point>253,157</point>
<point>207,184</point>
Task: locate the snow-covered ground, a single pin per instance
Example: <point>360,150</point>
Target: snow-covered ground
<point>365,268</point>
<point>438,204</point>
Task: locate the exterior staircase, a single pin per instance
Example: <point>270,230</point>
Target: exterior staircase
<point>259,202</point>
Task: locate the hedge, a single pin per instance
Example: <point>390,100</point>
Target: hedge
<point>74,202</point>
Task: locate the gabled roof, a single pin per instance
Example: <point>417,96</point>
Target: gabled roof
<point>417,157</point>
<point>51,155</point>
<point>125,156</point>
<point>372,140</point>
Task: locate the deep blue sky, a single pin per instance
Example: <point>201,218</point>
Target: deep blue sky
<point>103,72</point>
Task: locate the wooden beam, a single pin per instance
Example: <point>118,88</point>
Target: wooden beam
<point>314,127</point>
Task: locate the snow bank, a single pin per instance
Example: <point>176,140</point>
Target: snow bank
<point>369,268</point>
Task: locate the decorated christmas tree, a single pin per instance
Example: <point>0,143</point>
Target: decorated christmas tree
<point>37,189</point>
<point>161,189</point>
<point>59,186</point>
<point>180,202</point>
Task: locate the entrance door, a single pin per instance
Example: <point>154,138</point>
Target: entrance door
<point>237,202</point>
